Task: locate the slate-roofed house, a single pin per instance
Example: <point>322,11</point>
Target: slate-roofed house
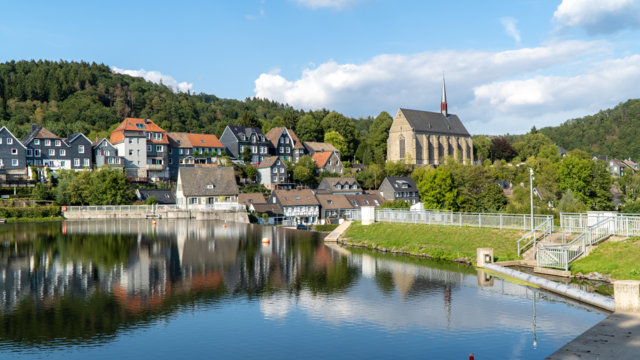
<point>205,186</point>
<point>235,138</point>
<point>298,206</point>
<point>328,161</point>
<point>104,153</point>
<point>368,199</point>
<point>313,147</point>
<point>345,186</point>
<point>285,144</point>
<point>162,196</point>
<point>80,151</point>
<point>13,157</point>
<point>272,172</point>
<point>632,164</point>
<point>618,168</point>
<point>144,146</point>
<point>46,148</point>
<point>251,198</point>
<point>424,138</point>
<point>399,188</point>
<point>333,206</point>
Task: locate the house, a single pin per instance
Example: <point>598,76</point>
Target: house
<point>80,151</point>
<point>272,172</point>
<point>298,206</point>
<point>328,161</point>
<point>201,186</point>
<point>345,186</point>
<point>45,148</point>
<point>333,207</point>
<point>285,144</point>
<point>399,188</point>
<point>247,199</point>
<point>145,148</point>
<point>162,196</point>
<point>104,153</point>
<point>631,164</point>
<point>617,168</point>
<point>273,213</point>
<point>368,199</point>
<point>424,138</point>
<point>13,157</point>
<point>312,148</point>
<point>186,149</point>
<point>562,152</point>
<point>236,138</point>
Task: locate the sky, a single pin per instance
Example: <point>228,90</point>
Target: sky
<point>508,65</point>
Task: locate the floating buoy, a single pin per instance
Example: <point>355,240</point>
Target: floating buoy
<point>266,241</point>
<point>224,226</point>
<point>153,223</point>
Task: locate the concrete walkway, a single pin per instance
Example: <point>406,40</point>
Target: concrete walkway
<point>335,234</point>
<point>616,337</point>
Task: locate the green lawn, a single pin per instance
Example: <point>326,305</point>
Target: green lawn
<point>620,259</point>
<point>441,242</point>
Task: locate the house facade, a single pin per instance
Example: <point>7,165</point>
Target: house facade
<point>298,206</point>
<point>145,148</point>
<point>104,153</point>
<point>285,144</point>
<point>399,188</point>
<point>272,171</point>
<point>236,138</point>
<point>44,148</point>
<point>425,138</point>
<point>313,147</point>
<point>186,149</point>
<point>198,187</point>
<point>13,156</point>
<point>333,207</point>
<point>328,161</point>
<point>80,151</point>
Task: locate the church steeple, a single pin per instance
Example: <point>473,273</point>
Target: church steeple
<point>443,101</point>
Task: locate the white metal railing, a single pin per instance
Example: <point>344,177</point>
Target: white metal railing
<point>624,225</point>
<point>229,206</point>
<point>560,256</point>
<point>539,233</point>
<point>487,220</point>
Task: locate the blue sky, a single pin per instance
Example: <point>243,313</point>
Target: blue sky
<point>509,65</point>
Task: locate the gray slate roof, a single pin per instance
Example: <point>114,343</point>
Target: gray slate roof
<point>398,181</point>
<point>435,122</point>
<point>163,196</point>
<point>237,130</point>
<point>208,181</point>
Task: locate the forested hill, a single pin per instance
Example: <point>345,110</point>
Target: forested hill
<point>71,97</point>
<point>613,132</point>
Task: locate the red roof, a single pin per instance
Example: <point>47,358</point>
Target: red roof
<point>140,125</point>
<point>204,140</point>
<point>321,158</point>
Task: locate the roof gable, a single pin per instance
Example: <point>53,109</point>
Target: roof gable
<point>207,181</point>
<point>16,140</point>
<point>434,122</point>
<point>321,158</point>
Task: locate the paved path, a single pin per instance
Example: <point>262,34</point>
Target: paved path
<point>616,337</point>
<point>335,234</point>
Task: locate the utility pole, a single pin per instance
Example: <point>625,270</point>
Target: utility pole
<point>531,198</point>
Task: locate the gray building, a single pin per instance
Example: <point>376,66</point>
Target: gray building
<point>236,138</point>
<point>201,186</point>
<point>345,186</point>
<point>285,144</point>
<point>80,152</point>
<point>399,188</point>
<point>13,163</point>
<point>272,172</point>
<point>44,148</point>
<point>104,153</point>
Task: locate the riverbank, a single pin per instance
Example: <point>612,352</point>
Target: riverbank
<point>611,260</point>
<point>451,243</point>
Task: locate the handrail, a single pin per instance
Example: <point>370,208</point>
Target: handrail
<point>547,227</point>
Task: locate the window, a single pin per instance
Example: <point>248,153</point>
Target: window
<point>288,150</point>
<point>36,142</point>
<point>376,202</point>
<point>14,151</point>
<point>281,140</point>
<point>366,202</point>
<point>355,203</point>
<point>275,170</point>
<point>9,141</point>
<point>179,151</point>
<point>297,197</point>
<point>36,152</point>
<point>0,140</point>
<point>14,162</point>
<point>148,136</point>
<point>329,201</point>
<point>58,142</point>
<point>149,148</point>
<point>29,152</point>
<point>159,148</point>
<point>130,152</point>
<point>157,136</point>
<point>170,161</point>
<point>338,186</point>
<point>130,141</point>
<point>254,149</point>
<point>63,152</point>
<point>140,126</point>
<point>282,170</point>
<point>286,140</point>
<point>80,149</point>
<point>47,143</point>
<point>76,162</point>
<point>210,186</point>
<point>85,163</point>
<point>52,152</point>
<point>193,201</point>
<point>170,151</point>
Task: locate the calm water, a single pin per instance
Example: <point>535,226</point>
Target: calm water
<point>124,289</point>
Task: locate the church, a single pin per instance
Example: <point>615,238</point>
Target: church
<point>425,138</point>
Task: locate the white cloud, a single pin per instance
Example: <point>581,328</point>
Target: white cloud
<point>387,82</point>
<point>599,16</point>
<point>335,4</point>
<point>510,28</point>
<point>156,77</point>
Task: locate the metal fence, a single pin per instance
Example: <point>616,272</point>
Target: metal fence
<point>624,224</point>
<point>560,256</point>
<point>486,220</point>
<point>538,234</point>
<point>228,206</point>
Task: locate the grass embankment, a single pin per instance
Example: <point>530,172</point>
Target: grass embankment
<point>440,242</point>
<point>619,259</point>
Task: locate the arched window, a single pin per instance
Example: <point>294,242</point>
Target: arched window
<point>401,144</point>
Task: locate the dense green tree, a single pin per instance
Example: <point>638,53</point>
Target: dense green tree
<point>246,154</point>
<point>334,138</point>
<point>305,170</point>
<point>337,122</point>
<point>396,168</point>
<point>309,129</point>
<point>481,147</point>
<point>250,171</point>
<point>569,203</point>
<point>437,189</point>
<point>378,135</point>
<point>531,144</point>
<point>249,119</point>
<point>371,177</point>
<point>501,149</point>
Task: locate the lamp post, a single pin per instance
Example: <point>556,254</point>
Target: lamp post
<point>531,198</point>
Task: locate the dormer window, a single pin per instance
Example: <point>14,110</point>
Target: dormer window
<point>338,186</point>
<point>297,197</point>
<point>210,186</point>
<point>329,202</point>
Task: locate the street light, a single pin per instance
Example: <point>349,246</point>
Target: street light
<point>531,197</point>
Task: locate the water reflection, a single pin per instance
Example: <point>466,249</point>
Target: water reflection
<point>87,282</point>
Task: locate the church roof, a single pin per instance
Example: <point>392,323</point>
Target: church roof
<point>434,122</point>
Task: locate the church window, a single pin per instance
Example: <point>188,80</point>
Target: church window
<point>402,145</point>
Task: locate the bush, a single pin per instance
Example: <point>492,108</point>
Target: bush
<point>151,200</point>
<point>325,228</point>
<point>29,212</point>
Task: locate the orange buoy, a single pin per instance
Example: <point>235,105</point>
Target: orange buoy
<point>266,241</point>
<point>153,223</point>
<point>224,226</point>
